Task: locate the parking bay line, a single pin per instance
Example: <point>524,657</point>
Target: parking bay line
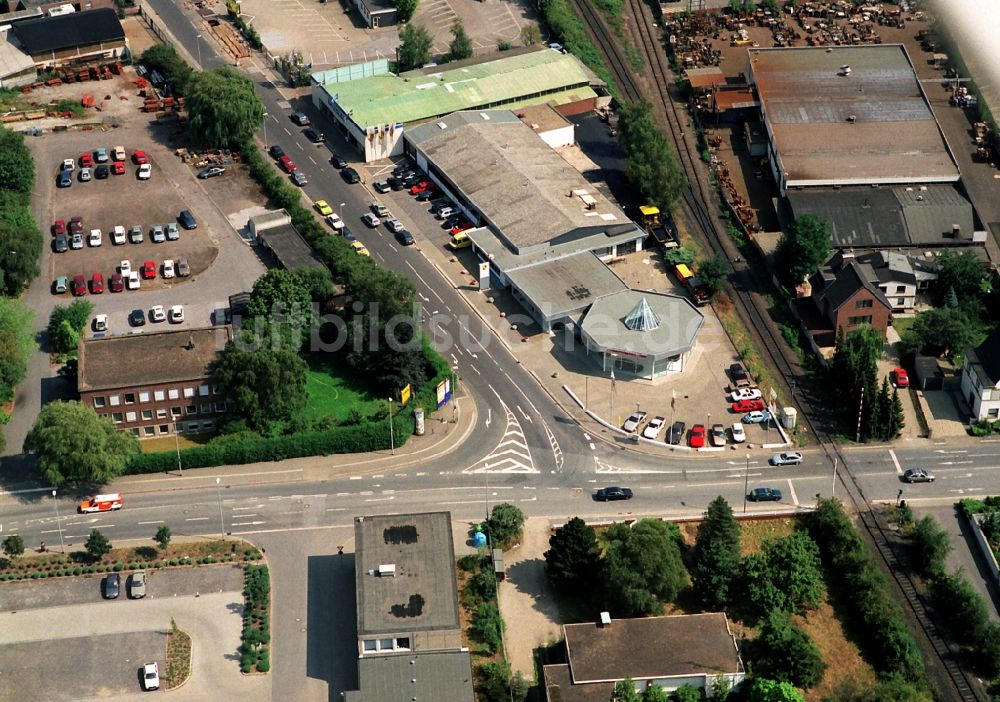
<point>196,519</point>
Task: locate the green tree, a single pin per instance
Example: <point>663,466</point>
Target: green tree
<point>460,47</point>
<point>318,281</point>
<point>684,693</point>
<point>493,681</point>
<point>224,109</point>
<point>715,558</point>
<point>414,48</point>
<point>624,691</point>
<point>763,690</point>
<point>854,374</point>
<point>802,250</point>
<point>942,332</point>
<point>713,272</point>
<point>405,9</point>
<point>505,524</point>
<point>281,302</point>
<point>897,420</point>
<point>74,445</point>
<point>97,545</point>
<point>165,59</point>
<point>785,653</point>
<point>13,545</point>
<point>262,385</point>
<point>785,575</point>
<point>17,167</point>
<point>530,34</point>
<point>20,247</point>
<point>886,689</point>
<point>651,163</point>
<point>950,298</point>
<point>17,343</point>
<point>573,560</point>
<point>642,567</point>
<point>64,337</point>
<point>964,272</point>
<point>162,537</point>
<point>882,411</point>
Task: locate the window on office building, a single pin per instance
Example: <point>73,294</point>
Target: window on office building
<point>159,395</point>
<point>203,390</point>
<point>130,398</point>
<point>99,402</point>
<point>147,415</point>
<point>149,431</point>
<point>174,393</point>
<point>188,392</point>
<point>130,416</point>
<point>144,396</point>
<point>117,417</point>
<point>114,400</point>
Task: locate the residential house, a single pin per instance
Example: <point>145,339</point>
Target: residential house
<point>894,275</point>
<point>845,298</point>
<point>409,633</point>
<point>667,652</point>
<point>981,378</point>
<point>154,384</point>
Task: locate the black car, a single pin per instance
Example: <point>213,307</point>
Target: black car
<point>438,205</point>
<point>112,586</point>
<point>676,433</point>
<point>350,175</point>
<point>404,237</point>
<point>410,181</point>
<point>300,119</point>
<point>60,244</point>
<point>395,182</point>
<point>427,195</point>
<point>764,494</point>
<point>276,151</point>
<point>338,161</point>
<point>348,234</point>
<point>102,172</point>
<point>613,493</point>
<point>313,136</point>
<point>187,220</point>
<point>137,318</point>
<point>401,168</point>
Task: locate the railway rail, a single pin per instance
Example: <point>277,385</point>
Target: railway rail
<point>697,202</point>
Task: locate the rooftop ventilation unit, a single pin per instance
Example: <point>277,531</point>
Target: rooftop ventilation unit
<point>387,570</point>
<point>442,125</point>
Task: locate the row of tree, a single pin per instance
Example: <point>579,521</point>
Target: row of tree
<point>871,411</point>
<point>416,42</point>
<point>16,346</point>
<point>20,239</point>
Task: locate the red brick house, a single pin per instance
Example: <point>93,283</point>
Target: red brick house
<point>843,297</point>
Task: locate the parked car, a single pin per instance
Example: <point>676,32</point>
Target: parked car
<point>276,152</point>
<point>96,284</point>
<point>102,172</point>
<point>608,494</point>
<point>697,437</point>
<point>137,318</point>
<point>286,164</point>
<point>60,285</point>
<point>187,220</point>
<point>140,158</point>
<point>211,172</point>
<point>633,421</point>
<point>176,314</point>
<point>654,427</point>
<point>756,417</point>
<point>145,172</point>
<point>156,313</point>
<point>323,207</point>
<point>95,238</point>
<point>359,248</point>
<point>168,268</point>
<point>100,322</point>
<point>334,220</point>
<point>788,458</point>
<point>101,154</point>
<point>428,195</point>
<point>172,232</point>
<point>900,378</point>
<point>76,224</point>
<point>381,186</point>
<point>84,175</point>
<point>86,160</point>
<point>370,219</point>
<point>150,676</point>
<point>112,586</point>
<point>395,182</point>
<point>68,164</point>
<point>118,235</point>
<point>918,475</point>
<point>747,406</point>
<point>379,209</point>
<point>65,179</point>
<point>158,236</point>
<point>314,136</point>
<point>401,168</point>
<point>79,286</point>
<point>350,175</point>
<point>764,494</point>
<point>299,178</point>
<point>676,433</point>
<point>300,119</point>
<point>119,153</point>
<point>116,283</point>
<point>118,168</point>
<point>739,376</point>
<point>718,435</point>
<point>746,394</point>
<point>183,268</point>
<point>132,281</point>
<point>60,244</point>
<point>739,435</point>
<point>76,241</point>
<point>58,227</point>
<point>149,270</point>
<point>394,225</point>
<point>337,161</point>
<point>422,186</point>
<point>404,237</point>
<point>445,212</point>
<point>459,241</point>
<point>135,234</point>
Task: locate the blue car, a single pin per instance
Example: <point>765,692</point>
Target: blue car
<point>764,494</point>
<point>65,179</point>
<point>756,417</point>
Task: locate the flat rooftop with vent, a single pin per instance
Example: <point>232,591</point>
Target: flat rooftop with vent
<point>848,115</point>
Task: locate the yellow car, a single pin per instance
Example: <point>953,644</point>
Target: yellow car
<point>359,248</point>
<point>323,207</point>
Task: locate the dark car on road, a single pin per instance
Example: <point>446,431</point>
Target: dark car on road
<point>676,433</point>
<point>276,151</point>
<point>613,493</point>
<point>764,494</point>
<point>395,182</point>
<point>313,136</point>
<point>404,237</point>
<point>350,175</point>
<point>300,119</point>
<point>112,586</point>
<point>338,161</point>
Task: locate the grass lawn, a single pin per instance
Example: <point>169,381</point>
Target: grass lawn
<point>334,395</point>
<point>901,324</point>
<point>169,443</point>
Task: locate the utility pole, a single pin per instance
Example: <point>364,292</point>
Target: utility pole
<point>177,445</point>
<point>222,521</point>
<point>746,485</point>
<point>392,439</point>
<point>833,487</point>
<point>62,544</point>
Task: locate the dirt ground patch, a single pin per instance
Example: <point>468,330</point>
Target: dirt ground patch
<point>843,661</point>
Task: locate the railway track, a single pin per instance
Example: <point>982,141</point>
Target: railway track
<point>698,202</point>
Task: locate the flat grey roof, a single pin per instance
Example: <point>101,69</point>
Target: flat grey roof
<point>891,216</point>
<point>132,360</point>
<point>423,594</point>
<point>506,260</point>
<point>808,103</point>
<point>525,190</point>
<point>12,59</point>
<point>566,285</point>
<point>436,676</point>
<point>680,322</point>
<point>289,247</point>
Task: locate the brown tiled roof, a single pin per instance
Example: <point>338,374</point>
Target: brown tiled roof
<point>652,647</point>
<point>130,360</point>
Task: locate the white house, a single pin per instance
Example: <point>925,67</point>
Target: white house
<point>981,378</point>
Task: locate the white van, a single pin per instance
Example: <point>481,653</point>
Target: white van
<point>445,212</point>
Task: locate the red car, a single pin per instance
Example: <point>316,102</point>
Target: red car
<point>460,228</point>
<point>118,168</point>
<point>59,227</point>
<point>96,284</point>
<point>79,285</point>
<point>76,224</point>
<point>286,164</point>
<point>139,158</point>
<point>86,160</point>
<point>117,283</point>
<point>148,270</point>
<point>900,378</point>
<point>744,406</point>
<point>697,436</point>
<point>422,186</point>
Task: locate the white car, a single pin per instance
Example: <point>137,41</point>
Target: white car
<point>119,153</point>
<point>370,219</point>
<point>633,421</point>
<point>168,268</point>
<point>788,458</point>
<point>177,314</point>
<point>334,220</point>
<point>95,237</point>
<point>145,171</point>
<point>394,225</point>
<point>101,323</point>
<point>132,282</point>
<point>739,435</point>
<point>654,428</point>
<point>125,268</point>
<point>118,236</point>
<point>746,394</point>
<point>150,676</point>
<point>68,164</point>
<point>156,313</point>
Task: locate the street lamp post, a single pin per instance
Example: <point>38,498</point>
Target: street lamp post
<point>265,131</point>
<point>177,445</point>
<point>392,439</point>
<point>222,521</point>
<point>198,38</point>
<point>62,544</point>
<point>833,486</point>
<point>746,485</point>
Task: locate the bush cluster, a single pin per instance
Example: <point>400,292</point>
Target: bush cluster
<point>479,595</point>
<point>569,30</point>
<point>165,59</point>
<point>256,620</point>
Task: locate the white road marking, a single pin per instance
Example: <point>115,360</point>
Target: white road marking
<point>895,462</point>
<point>156,522</point>
<point>196,519</point>
<point>791,489</point>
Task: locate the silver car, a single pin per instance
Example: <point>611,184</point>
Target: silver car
<point>633,421</point>
<point>137,585</point>
<point>788,458</point>
<point>158,236</point>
